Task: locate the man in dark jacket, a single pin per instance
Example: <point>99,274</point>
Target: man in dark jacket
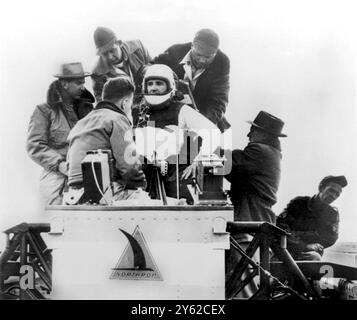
<point>117,58</point>
<point>255,173</point>
<point>205,69</point>
<point>254,178</point>
<point>67,102</point>
<point>312,222</point>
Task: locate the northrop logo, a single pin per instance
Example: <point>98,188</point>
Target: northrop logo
<point>136,262</point>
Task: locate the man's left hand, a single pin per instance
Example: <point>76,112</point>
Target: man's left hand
<point>189,171</point>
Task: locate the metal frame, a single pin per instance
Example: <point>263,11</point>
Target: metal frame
<point>266,236</point>
<point>25,247</point>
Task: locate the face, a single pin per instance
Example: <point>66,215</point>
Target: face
<point>127,103</point>
<point>74,87</point>
<point>113,55</point>
<point>330,192</point>
<point>201,57</point>
<point>156,86</point>
<point>252,134</point>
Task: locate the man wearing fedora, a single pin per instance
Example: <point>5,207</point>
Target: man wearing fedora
<point>67,102</point>
<point>254,177</point>
<point>205,69</point>
<point>312,221</point>
<point>117,58</point>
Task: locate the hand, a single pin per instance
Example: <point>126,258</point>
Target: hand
<point>315,247</point>
<point>62,167</point>
<point>189,171</point>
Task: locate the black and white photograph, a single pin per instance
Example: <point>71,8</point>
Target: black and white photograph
<point>178,150</point>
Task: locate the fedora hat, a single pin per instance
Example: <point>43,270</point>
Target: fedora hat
<point>268,123</point>
<point>71,71</point>
<point>104,39</point>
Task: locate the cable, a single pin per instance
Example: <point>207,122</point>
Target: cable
<point>96,182</point>
<point>267,273</point>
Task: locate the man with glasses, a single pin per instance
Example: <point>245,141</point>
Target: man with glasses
<point>205,70</point>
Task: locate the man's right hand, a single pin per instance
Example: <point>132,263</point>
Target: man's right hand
<point>315,247</point>
<point>62,167</point>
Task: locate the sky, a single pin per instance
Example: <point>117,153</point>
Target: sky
<point>294,59</point>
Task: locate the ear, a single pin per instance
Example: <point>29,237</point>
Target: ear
<point>64,84</point>
<point>125,102</point>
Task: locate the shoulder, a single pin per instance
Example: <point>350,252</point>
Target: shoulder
<point>133,45</point>
<point>100,68</point>
<point>299,201</point>
<point>221,62</point>
<point>43,108</point>
<point>265,150</point>
<point>333,212</point>
<point>257,148</point>
<point>179,49</point>
<point>186,112</point>
<point>110,116</point>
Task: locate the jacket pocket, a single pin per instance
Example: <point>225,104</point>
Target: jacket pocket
<point>58,138</point>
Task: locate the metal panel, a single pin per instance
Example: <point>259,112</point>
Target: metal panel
<point>187,252</point>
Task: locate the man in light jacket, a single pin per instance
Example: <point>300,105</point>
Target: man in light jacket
<point>108,127</point>
<point>67,102</point>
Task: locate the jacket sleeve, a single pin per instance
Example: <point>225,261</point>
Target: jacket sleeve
<point>287,220</point>
<point>125,155</point>
<point>98,84</point>
<point>245,162</point>
<point>167,57</point>
<point>218,94</point>
<point>38,138</point>
<point>146,54</point>
<point>244,165</point>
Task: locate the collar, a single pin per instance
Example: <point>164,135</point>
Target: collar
<point>312,202</point>
<point>110,106</point>
<point>55,95</point>
<point>316,204</point>
<point>186,59</point>
<point>274,143</point>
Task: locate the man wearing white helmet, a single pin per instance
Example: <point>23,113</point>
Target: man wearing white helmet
<point>163,110</point>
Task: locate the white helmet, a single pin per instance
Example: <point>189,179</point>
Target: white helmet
<point>161,72</point>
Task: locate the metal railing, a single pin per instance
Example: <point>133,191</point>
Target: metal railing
<point>26,263</point>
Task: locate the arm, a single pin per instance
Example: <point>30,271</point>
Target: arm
<point>217,88</point>
<point>244,163</point>
<point>163,58</point>
<point>328,231</point>
<point>146,55</point>
<point>218,97</point>
<point>37,141</point>
<point>98,84</point>
<point>125,155</point>
<point>289,219</point>
<point>193,120</point>
<point>172,55</point>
